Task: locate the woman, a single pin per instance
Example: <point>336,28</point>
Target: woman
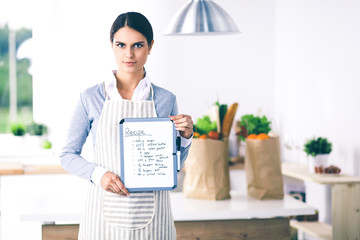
<point>111,212</point>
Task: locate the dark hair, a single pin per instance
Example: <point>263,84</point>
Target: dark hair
<point>134,20</point>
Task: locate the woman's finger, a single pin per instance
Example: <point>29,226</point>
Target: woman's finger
<point>121,187</point>
<point>111,182</point>
<point>184,124</point>
<point>115,188</point>
<point>181,118</point>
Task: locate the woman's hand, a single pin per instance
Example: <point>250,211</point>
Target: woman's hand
<point>111,183</point>
<point>184,124</point>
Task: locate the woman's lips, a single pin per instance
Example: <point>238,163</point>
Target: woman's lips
<point>129,64</point>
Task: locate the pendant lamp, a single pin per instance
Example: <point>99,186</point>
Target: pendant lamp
<point>199,17</point>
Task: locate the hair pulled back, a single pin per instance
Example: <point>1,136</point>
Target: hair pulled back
<point>134,20</point>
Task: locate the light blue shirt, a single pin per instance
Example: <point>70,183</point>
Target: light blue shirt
<point>85,120</point>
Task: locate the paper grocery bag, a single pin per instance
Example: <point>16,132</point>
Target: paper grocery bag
<point>207,170</point>
<point>263,168</point>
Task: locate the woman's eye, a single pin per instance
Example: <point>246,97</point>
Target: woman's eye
<point>121,45</point>
<point>138,45</point>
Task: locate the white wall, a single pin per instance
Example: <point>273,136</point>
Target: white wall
<point>317,75</point>
<point>199,70</point>
<point>317,82</point>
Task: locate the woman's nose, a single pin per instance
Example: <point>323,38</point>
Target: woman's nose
<point>129,52</point>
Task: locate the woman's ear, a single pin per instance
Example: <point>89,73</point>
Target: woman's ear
<point>150,46</point>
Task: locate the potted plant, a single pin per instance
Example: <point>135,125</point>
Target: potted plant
<point>36,135</point>
<point>16,140</point>
<point>18,129</point>
<point>318,150</point>
<point>36,129</point>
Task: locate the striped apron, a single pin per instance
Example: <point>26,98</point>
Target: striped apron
<point>109,216</point>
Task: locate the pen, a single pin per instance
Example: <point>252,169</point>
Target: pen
<point>178,143</point>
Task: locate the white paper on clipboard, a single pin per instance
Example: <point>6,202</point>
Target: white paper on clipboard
<point>148,159</point>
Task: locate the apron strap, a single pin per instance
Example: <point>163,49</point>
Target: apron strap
<point>105,93</point>
<point>151,94</point>
<point>152,98</point>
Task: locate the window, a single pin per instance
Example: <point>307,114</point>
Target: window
<point>15,77</point>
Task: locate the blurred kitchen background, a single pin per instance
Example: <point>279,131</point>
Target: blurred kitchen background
<point>297,62</point>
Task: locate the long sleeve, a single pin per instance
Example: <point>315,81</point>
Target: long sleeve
<point>184,151</point>
<point>78,132</point>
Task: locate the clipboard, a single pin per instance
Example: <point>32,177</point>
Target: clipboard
<point>149,154</point>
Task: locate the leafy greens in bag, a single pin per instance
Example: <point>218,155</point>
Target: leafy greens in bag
<point>205,125</point>
<point>251,124</point>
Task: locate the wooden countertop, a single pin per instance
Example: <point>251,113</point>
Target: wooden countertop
<point>13,168</point>
<point>300,171</point>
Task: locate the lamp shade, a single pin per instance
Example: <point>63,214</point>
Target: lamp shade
<point>201,17</point>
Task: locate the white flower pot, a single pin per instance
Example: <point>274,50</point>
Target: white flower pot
<point>318,163</point>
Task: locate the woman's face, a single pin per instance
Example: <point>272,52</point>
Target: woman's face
<point>130,50</point>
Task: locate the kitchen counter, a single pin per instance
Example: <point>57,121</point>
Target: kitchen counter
<point>15,168</point>
<point>241,217</point>
<point>37,162</point>
<point>239,206</point>
<point>38,194</point>
<point>194,218</point>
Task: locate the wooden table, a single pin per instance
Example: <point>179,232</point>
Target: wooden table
<point>345,194</point>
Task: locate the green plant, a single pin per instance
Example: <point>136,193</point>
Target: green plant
<point>316,146</point>
<point>36,129</point>
<point>18,129</point>
<point>251,124</point>
<point>205,125</point>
